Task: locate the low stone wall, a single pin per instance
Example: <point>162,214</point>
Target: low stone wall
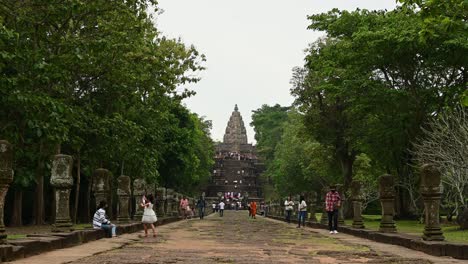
<point>40,243</point>
<point>435,248</point>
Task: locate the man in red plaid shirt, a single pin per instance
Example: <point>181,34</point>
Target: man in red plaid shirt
<point>332,203</point>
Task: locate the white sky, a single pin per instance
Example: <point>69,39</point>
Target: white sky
<point>251,47</point>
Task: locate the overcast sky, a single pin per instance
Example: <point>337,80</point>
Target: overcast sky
<point>251,47</point>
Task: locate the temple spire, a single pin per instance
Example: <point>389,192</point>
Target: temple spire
<point>235,130</point>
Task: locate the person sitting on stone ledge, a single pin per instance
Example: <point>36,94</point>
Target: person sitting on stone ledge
<point>101,222</point>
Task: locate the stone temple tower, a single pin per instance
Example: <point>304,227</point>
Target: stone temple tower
<point>236,172</point>
<point>235,130</point>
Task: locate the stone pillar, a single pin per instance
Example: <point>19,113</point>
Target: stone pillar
<point>340,190</point>
<point>387,200</point>
<point>356,198</point>
<point>169,201</point>
<point>431,193</point>
<point>101,186</point>
<point>160,201</point>
<point>176,197</point>
<point>150,189</point>
<point>62,181</point>
<point>311,206</point>
<point>124,193</point>
<point>138,192</point>
<point>6,177</point>
<point>324,218</point>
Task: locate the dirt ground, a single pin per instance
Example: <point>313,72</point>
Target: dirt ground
<point>235,238</point>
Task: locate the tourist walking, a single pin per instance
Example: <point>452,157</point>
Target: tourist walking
<point>253,208</point>
<point>201,204</point>
<point>149,216</point>
<point>332,203</point>
<point>288,207</point>
<point>183,207</point>
<point>214,207</point>
<point>100,220</point>
<point>221,208</point>
<point>302,211</point>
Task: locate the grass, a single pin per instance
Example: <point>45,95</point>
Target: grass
<point>451,232</point>
<point>16,236</point>
<point>83,226</point>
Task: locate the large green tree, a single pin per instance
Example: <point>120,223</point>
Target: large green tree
<point>97,80</point>
<point>372,82</point>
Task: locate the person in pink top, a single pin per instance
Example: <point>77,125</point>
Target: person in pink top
<point>183,207</point>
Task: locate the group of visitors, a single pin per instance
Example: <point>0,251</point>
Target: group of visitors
<point>235,156</point>
<point>188,212</point>
<point>332,204</point>
<point>101,221</point>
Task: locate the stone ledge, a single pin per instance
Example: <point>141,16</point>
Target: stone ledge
<point>435,248</point>
<point>39,243</point>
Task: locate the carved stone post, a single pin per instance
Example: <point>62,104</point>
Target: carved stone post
<point>357,199</point>
<point>175,204</point>
<point>387,200</point>
<point>138,192</point>
<point>6,177</point>
<point>169,201</point>
<point>431,192</point>
<point>101,186</point>
<point>340,190</point>
<point>62,181</point>
<point>160,199</point>
<point>311,206</point>
<point>123,191</point>
<point>324,218</point>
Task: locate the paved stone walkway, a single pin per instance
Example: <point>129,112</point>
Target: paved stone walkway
<point>236,239</point>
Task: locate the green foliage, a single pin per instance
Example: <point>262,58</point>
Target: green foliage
<point>372,82</point>
<point>294,160</point>
<point>99,80</point>
<point>267,122</point>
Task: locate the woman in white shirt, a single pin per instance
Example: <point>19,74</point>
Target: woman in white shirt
<point>288,207</point>
<point>302,212</point>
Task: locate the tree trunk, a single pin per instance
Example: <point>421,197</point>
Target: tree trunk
<point>16,217</point>
<point>39,210</point>
<point>347,162</point>
<point>88,198</point>
<point>77,190</point>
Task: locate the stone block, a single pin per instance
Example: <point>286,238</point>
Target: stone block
<point>31,246</point>
<point>69,239</point>
<point>6,252</point>
<point>92,235</point>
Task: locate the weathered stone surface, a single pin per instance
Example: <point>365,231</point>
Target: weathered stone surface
<point>387,200</point>
<point>237,168</point>
<point>160,198</point>
<point>6,177</point>
<point>139,189</point>
<point>356,198</point>
<point>61,175</point>
<point>235,130</point>
<point>340,190</point>
<point>62,180</point>
<point>324,218</point>
<point>431,192</point>
<point>123,191</point>
<point>311,204</point>
<point>101,186</point>
<point>462,218</point>
<point>123,185</point>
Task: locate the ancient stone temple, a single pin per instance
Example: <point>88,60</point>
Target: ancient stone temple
<point>235,176</point>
